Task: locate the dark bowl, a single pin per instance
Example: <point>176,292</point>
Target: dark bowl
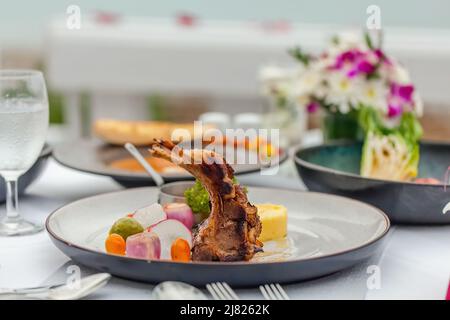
<point>95,157</point>
<point>334,168</point>
<point>31,175</point>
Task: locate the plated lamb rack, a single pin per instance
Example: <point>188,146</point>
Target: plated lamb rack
<point>230,232</point>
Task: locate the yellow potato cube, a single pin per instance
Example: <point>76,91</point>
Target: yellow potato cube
<point>274,221</point>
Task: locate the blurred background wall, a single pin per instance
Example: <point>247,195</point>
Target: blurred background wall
<point>22,22</point>
<point>24,29</point>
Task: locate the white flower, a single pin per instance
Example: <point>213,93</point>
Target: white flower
<point>275,79</point>
<point>342,91</point>
<point>307,83</point>
<point>399,74</point>
<point>373,93</point>
<point>326,78</point>
<point>346,41</point>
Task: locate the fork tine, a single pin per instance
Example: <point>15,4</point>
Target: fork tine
<point>224,291</point>
<point>276,292</point>
<point>212,292</point>
<point>264,292</point>
<point>233,294</point>
<point>282,292</point>
<point>270,292</point>
<point>219,291</point>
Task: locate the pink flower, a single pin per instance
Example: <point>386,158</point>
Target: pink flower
<point>356,61</point>
<point>365,67</point>
<point>362,66</point>
<point>345,57</point>
<point>400,99</point>
<point>312,107</point>
<point>381,56</point>
<point>394,110</point>
<point>405,92</point>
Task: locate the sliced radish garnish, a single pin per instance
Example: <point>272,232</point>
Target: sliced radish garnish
<point>168,231</point>
<point>181,212</point>
<point>150,215</point>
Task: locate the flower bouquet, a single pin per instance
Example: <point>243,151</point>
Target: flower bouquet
<point>365,95</point>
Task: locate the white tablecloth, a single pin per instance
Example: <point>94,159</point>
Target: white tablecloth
<point>415,263</point>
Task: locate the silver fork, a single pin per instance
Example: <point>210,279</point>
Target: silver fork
<point>221,291</point>
<point>273,291</point>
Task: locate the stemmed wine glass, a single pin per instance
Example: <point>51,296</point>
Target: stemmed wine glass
<point>23,128</point>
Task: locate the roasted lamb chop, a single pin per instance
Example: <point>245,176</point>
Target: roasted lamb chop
<point>230,232</point>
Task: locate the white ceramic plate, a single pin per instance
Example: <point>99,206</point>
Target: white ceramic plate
<point>325,234</point>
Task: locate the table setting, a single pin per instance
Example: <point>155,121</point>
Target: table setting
<point>407,262</point>
<point>164,210</point>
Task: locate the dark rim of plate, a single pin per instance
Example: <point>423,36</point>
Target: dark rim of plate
<point>46,151</point>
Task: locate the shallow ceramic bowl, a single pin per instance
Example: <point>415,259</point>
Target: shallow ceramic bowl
<point>325,234</point>
<point>174,192</point>
<point>334,168</point>
<point>31,175</point>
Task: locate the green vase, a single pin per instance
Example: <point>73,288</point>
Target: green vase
<point>338,126</point>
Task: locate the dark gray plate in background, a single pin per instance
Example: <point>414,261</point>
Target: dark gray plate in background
<point>31,175</point>
<point>325,234</point>
<point>94,157</point>
<point>334,168</point>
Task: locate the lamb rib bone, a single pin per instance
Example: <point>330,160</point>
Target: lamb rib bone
<point>230,232</point>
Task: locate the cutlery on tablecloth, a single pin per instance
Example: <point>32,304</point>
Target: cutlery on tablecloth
<point>221,291</point>
<point>87,286</point>
<point>273,291</point>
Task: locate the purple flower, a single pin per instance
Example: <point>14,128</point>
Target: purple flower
<point>379,53</point>
<point>312,107</point>
<point>352,72</point>
<point>362,66</point>
<point>400,99</point>
<point>394,110</point>
<point>365,66</point>
<point>381,56</point>
<point>405,92</point>
<point>346,56</point>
